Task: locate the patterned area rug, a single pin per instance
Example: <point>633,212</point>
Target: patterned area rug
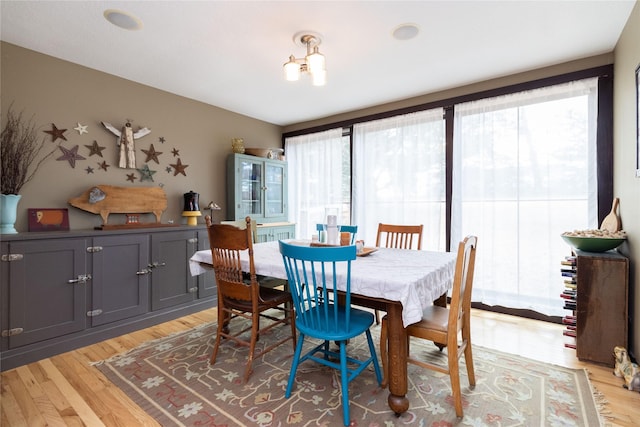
<point>171,379</point>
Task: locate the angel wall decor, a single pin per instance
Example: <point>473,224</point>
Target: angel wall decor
<point>126,139</point>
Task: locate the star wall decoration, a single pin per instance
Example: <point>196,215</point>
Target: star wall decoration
<point>81,128</point>
<point>95,149</point>
<point>89,169</point>
<point>161,139</point>
<point>146,174</point>
<point>131,177</point>
<point>103,166</point>
<point>152,154</point>
<point>70,155</point>
<point>175,152</point>
<point>56,133</point>
<point>168,169</point>
<point>179,168</point>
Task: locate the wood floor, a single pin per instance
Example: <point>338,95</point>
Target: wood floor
<point>66,391</point>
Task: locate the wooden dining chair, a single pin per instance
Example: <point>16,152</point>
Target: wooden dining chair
<point>353,229</point>
<point>399,237</point>
<point>245,298</point>
<point>312,277</point>
<point>450,327</point>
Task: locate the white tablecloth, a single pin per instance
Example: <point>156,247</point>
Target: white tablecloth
<point>415,278</point>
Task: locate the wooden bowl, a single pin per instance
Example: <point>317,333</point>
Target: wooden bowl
<point>259,152</point>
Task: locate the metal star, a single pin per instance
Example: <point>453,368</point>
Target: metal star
<point>81,128</point>
<point>131,177</point>
<point>89,169</point>
<point>146,174</point>
<point>179,168</point>
<point>152,154</point>
<point>56,133</point>
<point>161,139</point>
<point>104,165</point>
<point>168,169</point>
<point>95,149</point>
<point>175,152</point>
<point>70,155</point>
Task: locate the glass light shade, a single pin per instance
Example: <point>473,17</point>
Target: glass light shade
<point>319,78</point>
<point>292,69</point>
<point>315,61</point>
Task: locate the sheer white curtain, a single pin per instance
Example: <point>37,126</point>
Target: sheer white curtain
<point>524,172</point>
<point>316,169</point>
<point>399,175</point>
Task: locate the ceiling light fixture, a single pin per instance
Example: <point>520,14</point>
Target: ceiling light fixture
<point>313,63</point>
<point>405,31</point>
<point>122,19</point>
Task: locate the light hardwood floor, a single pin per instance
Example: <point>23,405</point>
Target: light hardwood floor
<point>66,391</point>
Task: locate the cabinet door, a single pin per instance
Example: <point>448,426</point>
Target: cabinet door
<point>275,194</point>
<point>120,277</point>
<point>206,281</point>
<point>265,233</point>
<point>171,280</point>
<point>47,295</point>
<point>248,185</point>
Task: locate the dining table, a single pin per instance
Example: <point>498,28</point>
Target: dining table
<point>401,282</point>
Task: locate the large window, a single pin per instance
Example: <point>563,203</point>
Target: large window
<point>524,172</point>
<point>319,178</point>
<point>516,166</point>
<point>399,175</point>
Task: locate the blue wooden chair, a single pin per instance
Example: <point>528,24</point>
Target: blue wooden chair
<point>353,229</point>
<point>312,278</point>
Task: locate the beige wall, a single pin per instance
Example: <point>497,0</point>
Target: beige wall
<point>59,92</point>
<point>626,185</point>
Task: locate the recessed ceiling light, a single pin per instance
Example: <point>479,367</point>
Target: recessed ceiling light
<point>122,19</point>
<point>405,31</point>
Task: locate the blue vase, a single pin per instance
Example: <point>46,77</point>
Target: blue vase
<point>8,212</point>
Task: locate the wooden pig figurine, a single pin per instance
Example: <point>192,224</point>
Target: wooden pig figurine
<point>108,199</point>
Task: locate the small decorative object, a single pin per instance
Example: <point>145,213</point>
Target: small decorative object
<point>70,155</point>
<point>624,368</point>
<point>81,128</point>
<point>191,208</point>
<point>161,139</point>
<point>126,140</point>
<point>104,165</point>
<point>95,149</point>
<point>8,212</point>
<point>237,145</point>
<point>146,174</point>
<point>152,154</point>
<point>89,169</point>
<point>124,200</point>
<point>131,177</point>
<point>212,206</point>
<point>56,133</point>
<point>132,218</point>
<point>179,168</point>
<point>42,219</point>
<point>259,152</point>
<point>175,152</point>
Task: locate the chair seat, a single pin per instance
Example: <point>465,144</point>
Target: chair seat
<point>433,317</point>
<point>335,330</point>
<point>269,298</point>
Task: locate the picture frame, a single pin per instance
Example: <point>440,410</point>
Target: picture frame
<point>638,121</point>
<point>47,219</point>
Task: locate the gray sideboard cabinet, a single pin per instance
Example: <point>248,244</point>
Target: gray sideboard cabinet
<point>64,290</point>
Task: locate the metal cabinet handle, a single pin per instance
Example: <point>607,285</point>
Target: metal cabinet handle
<point>143,271</point>
<point>82,279</point>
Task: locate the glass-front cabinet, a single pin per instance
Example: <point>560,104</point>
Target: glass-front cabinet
<point>256,187</point>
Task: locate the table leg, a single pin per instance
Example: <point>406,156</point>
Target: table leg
<point>397,354</point>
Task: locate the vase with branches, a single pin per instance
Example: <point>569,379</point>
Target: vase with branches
<point>21,155</point>
<point>20,152</point>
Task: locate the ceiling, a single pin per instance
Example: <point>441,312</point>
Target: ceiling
<point>230,53</point>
